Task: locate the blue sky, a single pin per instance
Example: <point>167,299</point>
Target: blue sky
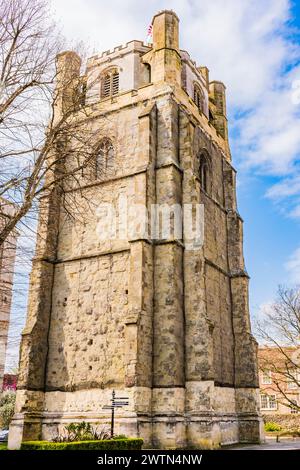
<point>253,46</point>
<point>272,236</point>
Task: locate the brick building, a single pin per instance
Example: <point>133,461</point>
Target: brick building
<point>279,380</point>
<point>9,383</point>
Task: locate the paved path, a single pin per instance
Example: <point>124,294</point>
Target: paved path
<point>270,444</point>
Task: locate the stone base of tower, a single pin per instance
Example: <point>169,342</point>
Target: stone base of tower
<point>212,417</point>
<point>169,426</point>
<point>24,427</point>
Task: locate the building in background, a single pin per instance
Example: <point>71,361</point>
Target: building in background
<point>9,383</point>
<point>154,318</point>
<point>279,380</point>
<point>7,262</point>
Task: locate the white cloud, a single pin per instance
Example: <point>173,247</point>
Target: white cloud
<point>261,313</point>
<point>286,194</point>
<point>244,43</point>
<point>285,188</point>
<point>265,308</point>
<point>293,267</point>
<point>295,213</point>
<point>269,134</point>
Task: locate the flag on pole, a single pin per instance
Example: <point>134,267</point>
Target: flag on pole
<point>149,34</point>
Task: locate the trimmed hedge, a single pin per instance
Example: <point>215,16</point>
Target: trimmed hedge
<point>111,444</point>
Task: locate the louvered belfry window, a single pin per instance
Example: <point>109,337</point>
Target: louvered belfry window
<point>110,83</point>
<point>115,83</point>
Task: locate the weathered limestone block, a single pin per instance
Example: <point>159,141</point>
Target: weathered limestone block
<point>34,336</point>
<point>169,433</point>
<point>235,243</point>
<point>229,186</point>
<point>246,372</point>
<point>164,57</point>
<point>138,323</point>
<point>68,71</point>
<point>168,350</point>
<point>250,427</point>
<point>199,396</point>
<point>167,131</point>
<point>87,325</point>
<point>198,327</point>
<point>217,94</point>
<point>168,401</point>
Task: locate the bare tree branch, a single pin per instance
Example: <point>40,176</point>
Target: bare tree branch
<point>279,330</point>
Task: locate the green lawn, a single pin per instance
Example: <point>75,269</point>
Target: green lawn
<point>3,446</point>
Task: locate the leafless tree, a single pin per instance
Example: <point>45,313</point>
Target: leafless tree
<point>35,138</point>
<point>42,109</point>
<point>279,330</point>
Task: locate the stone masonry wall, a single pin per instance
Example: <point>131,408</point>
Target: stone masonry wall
<point>86,338</point>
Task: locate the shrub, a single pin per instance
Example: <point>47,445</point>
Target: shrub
<point>7,406</point>
<point>272,427</point>
<point>112,444</point>
<point>81,432</point>
<point>288,421</point>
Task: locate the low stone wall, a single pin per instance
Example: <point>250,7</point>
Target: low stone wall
<point>287,421</point>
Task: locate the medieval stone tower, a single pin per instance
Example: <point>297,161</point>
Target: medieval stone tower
<point>165,325</point>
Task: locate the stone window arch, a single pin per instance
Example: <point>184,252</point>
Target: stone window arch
<point>104,156</point>
<point>109,82</point>
<point>204,171</point>
<point>198,97</point>
<point>147,72</point>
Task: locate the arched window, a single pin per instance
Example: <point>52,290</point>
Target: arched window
<point>147,73</point>
<point>110,83</point>
<point>105,156</point>
<point>204,172</point>
<point>198,97</point>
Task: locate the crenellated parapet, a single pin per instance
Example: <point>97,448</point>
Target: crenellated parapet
<point>161,64</point>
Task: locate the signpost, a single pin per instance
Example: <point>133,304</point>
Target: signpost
<point>116,402</point>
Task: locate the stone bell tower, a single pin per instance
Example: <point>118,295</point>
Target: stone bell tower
<point>165,323</point>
